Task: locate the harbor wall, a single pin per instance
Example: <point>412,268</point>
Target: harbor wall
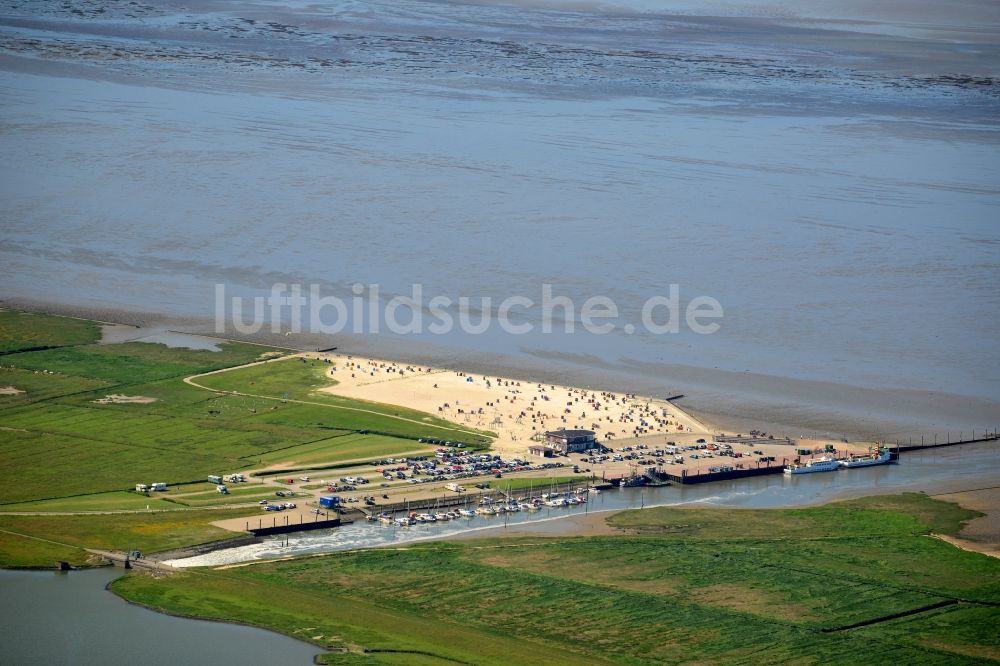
<point>706,477</point>
<point>287,526</point>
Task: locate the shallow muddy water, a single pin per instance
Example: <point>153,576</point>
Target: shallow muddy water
<point>828,171</point>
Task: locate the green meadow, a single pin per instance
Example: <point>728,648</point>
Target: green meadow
<point>24,330</point>
<point>679,585</point>
<point>29,541</point>
<point>116,500</point>
<point>348,446</point>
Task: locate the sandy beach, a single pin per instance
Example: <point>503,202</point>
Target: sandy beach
<point>519,412</point>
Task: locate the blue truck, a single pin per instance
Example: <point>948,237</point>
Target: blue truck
<point>330,502</point>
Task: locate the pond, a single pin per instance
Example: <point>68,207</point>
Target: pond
<point>51,617</point>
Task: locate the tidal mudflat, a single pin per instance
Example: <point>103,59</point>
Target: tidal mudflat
<point>826,170</point>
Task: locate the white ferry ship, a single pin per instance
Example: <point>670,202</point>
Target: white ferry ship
<point>880,458</point>
<point>824,464</point>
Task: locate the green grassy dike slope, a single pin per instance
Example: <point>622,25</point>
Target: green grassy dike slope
<point>850,582</point>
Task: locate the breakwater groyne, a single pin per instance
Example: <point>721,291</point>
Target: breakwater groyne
<point>948,439</point>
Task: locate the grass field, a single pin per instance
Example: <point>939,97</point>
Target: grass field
<point>27,541</point>
<point>298,379</point>
<point>347,447</point>
<point>59,442</point>
<point>27,552</point>
<point>331,619</point>
<point>132,363</point>
<point>236,496</point>
<point>118,500</point>
<point>24,330</point>
<point>38,465</point>
<point>126,500</point>
<point>236,491</point>
<point>696,585</point>
<point>35,385</point>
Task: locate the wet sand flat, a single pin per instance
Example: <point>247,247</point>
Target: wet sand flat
<point>980,534</point>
